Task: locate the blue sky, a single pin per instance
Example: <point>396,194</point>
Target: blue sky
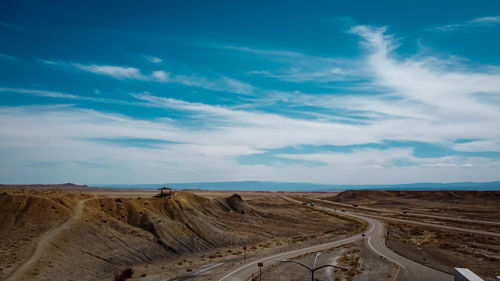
<point>365,92</point>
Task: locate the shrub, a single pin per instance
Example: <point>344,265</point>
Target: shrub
<point>124,275</point>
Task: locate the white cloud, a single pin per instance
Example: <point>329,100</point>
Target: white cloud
<point>474,23</point>
<point>7,57</point>
<point>486,20</point>
<point>357,159</point>
<point>298,67</point>
<point>450,103</point>
<point>153,59</point>
<point>161,76</point>
<point>119,72</point>
<point>51,62</point>
<point>476,146</point>
<point>224,84</point>
<point>51,94</point>
<point>221,83</point>
<point>50,135</point>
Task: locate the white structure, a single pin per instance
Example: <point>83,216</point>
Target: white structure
<point>464,274</point>
<point>498,278</point>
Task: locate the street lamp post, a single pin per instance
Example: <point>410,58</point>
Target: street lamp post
<point>314,265</point>
<point>313,268</point>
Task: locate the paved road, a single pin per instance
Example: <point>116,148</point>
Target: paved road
<point>454,228</point>
<point>246,270</point>
<point>374,240</point>
<point>44,241</point>
<point>408,213</point>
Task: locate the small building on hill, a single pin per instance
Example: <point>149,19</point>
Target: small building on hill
<point>165,192</point>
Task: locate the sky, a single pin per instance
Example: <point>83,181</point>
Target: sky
<point>333,92</point>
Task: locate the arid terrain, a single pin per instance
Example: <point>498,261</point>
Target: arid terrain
<point>442,249</point>
<point>69,232</point>
<point>100,233</point>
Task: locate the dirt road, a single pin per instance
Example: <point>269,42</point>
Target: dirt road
<point>43,243</point>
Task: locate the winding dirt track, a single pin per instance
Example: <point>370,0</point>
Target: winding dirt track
<point>44,242</point>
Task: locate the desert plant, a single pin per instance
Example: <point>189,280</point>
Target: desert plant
<point>124,275</point>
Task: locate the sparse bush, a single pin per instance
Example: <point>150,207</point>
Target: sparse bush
<point>416,232</point>
<point>124,275</point>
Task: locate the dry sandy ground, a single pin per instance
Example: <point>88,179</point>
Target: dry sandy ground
<point>361,264</point>
<point>438,248</point>
<point>445,249</point>
<point>478,205</point>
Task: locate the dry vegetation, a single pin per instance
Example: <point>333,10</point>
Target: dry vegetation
<point>444,250</point>
<point>478,205</point>
<point>361,264</point>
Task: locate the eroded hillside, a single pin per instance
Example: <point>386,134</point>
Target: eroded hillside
<point>97,235</point>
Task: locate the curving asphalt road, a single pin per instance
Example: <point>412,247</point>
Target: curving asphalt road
<point>408,213</point>
<point>454,228</point>
<point>409,270</point>
<point>374,240</point>
<point>246,270</point>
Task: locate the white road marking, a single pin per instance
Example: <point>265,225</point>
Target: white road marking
<point>208,268</point>
<point>396,276</point>
<point>288,253</point>
<point>373,248</point>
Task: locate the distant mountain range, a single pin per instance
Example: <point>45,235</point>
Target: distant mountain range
<point>289,186</point>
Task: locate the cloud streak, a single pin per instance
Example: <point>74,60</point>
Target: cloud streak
<point>119,72</point>
<point>298,67</point>
<point>7,57</point>
<point>480,22</point>
<point>221,83</point>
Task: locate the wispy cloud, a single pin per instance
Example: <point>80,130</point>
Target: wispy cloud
<point>210,151</point>
<point>63,95</point>
<point>220,83</point>
<point>449,95</point>
<point>298,67</point>
<point>119,72</point>
<point>161,76</point>
<point>7,57</point>
<point>8,25</point>
<point>474,23</point>
<point>43,93</point>
<point>153,59</point>
<point>223,83</point>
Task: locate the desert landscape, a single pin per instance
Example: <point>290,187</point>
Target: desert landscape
<point>70,232</point>
<point>249,140</point>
